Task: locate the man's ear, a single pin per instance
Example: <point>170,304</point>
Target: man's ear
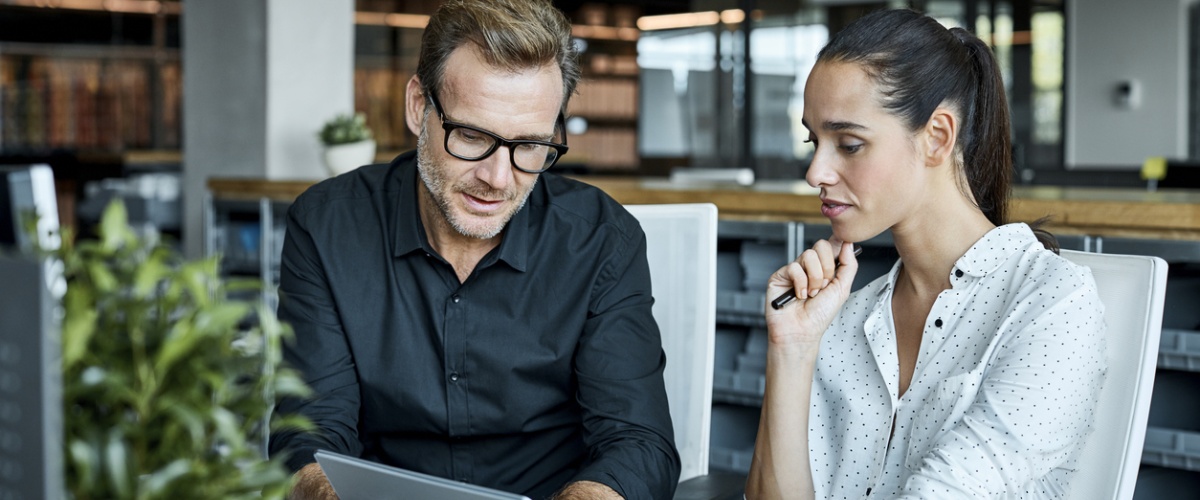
<point>941,133</point>
<point>414,106</point>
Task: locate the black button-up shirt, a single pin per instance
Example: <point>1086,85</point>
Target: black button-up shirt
<point>544,367</point>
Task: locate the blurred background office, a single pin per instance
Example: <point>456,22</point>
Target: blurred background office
<point>150,101</point>
<point>132,97</point>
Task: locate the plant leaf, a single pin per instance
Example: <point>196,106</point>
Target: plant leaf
<point>158,402</point>
<point>114,225</point>
<point>156,483</point>
<point>79,325</point>
<point>86,461</point>
<point>116,457</point>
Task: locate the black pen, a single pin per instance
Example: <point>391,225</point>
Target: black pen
<point>790,295</point>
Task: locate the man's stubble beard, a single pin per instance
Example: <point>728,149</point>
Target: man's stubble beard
<point>433,175</point>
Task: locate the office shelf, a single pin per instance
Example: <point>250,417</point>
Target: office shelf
<point>1157,483</point>
<point>736,302</point>
<point>730,459</point>
<point>1172,251</point>
<point>1172,448</point>
<point>1179,350</point>
<point>88,81</point>
<point>734,429</point>
<point>741,308</point>
<point>738,387</point>
<point>248,234</point>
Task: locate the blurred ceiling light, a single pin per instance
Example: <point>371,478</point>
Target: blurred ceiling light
<point>394,20</point>
<point>135,6</point>
<point>675,21</point>
<point>733,16</point>
<point>128,6</point>
<point>691,19</point>
<point>604,32</point>
<point>407,20</point>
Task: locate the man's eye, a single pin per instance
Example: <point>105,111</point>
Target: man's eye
<point>471,135</point>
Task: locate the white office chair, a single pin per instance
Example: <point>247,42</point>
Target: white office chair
<point>681,246</point>
<point>1132,289</point>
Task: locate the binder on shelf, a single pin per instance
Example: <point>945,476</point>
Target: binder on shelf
<point>50,102</point>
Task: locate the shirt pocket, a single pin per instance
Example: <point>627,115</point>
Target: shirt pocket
<point>941,410</point>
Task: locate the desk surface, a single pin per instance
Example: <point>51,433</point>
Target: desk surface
<point>1164,214</point>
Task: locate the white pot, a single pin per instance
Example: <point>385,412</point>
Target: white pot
<point>343,158</point>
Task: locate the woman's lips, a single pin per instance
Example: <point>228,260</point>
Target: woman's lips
<point>831,209</point>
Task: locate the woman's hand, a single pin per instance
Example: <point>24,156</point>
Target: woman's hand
<point>822,280</point>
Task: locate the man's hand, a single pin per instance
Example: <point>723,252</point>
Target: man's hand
<point>587,490</point>
<point>311,484</point>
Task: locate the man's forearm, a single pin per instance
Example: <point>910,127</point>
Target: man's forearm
<point>587,490</point>
<point>311,484</point>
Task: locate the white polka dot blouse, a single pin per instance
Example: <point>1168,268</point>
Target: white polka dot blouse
<point>1010,365</point>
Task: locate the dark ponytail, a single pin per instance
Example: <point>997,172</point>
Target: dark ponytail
<point>986,141</point>
<point>919,65</point>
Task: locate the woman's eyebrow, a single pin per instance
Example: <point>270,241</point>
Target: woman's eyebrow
<point>835,126</point>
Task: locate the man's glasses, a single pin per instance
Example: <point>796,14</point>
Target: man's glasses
<point>473,144</point>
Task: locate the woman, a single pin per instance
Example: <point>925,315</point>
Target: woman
<point>971,369</point>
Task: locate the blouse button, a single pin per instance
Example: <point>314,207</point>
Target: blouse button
<point>958,273</point>
<point>938,322</point>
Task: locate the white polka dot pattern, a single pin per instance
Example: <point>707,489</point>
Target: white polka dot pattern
<point>1010,364</point>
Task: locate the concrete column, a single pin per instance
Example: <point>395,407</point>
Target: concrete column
<point>260,77</point>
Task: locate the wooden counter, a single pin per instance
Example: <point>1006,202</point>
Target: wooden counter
<point>1165,214</point>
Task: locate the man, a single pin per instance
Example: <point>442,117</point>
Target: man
<point>458,312</point>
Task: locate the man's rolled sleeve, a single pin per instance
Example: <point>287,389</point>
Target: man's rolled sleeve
<point>619,365</point>
<point>319,351</point>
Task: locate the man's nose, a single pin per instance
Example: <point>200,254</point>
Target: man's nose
<point>497,169</point>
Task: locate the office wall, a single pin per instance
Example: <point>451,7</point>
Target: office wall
<point>1112,42</point>
<point>260,78</point>
<point>310,46</point>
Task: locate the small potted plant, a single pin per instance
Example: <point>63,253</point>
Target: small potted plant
<point>348,142</point>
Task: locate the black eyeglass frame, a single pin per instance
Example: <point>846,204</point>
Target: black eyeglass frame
<point>449,126</point>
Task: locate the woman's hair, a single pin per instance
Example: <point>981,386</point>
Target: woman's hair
<point>920,65</point>
<point>509,34</point>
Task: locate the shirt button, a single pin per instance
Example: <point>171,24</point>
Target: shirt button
<point>455,297</point>
<point>937,322</point>
<point>454,377</point>
<point>958,273</point>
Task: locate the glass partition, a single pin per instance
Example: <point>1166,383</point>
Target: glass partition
<point>714,97</point>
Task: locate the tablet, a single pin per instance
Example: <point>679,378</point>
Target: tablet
<point>357,479</point>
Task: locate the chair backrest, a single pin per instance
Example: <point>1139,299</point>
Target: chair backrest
<point>681,246</point>
<point>1132,289</point>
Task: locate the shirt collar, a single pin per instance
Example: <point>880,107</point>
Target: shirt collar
<point>410,231</point>
<point>984,257</point>
<point>994,248</point>
<point>515,246</point>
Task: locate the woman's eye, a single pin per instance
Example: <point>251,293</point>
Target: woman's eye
<point>851,148</point>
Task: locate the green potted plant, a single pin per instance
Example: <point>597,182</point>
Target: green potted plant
<point>348,142</point>
<point>168,379</point>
